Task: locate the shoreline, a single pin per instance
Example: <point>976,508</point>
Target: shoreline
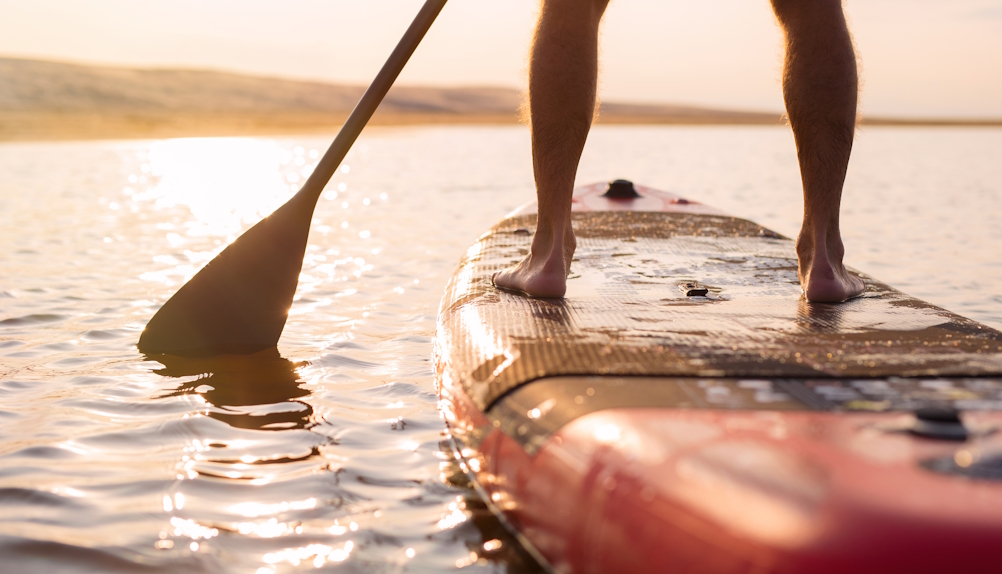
<point>25,127</point>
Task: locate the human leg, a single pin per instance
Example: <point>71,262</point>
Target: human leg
<point>820,87</point>
<point>563,77</point>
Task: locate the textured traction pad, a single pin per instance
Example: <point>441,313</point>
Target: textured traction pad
<point>624,313</point>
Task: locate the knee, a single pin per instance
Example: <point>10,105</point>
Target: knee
<point>790,13</point>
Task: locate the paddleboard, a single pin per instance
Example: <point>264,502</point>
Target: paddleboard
<point>685,409</point>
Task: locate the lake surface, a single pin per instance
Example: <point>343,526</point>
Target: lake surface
<point>331,453</point>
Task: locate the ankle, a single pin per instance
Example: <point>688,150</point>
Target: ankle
<point>820,242</point>
<point>552,228</point>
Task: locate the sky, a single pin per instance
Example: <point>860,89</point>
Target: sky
<point>920,58</point>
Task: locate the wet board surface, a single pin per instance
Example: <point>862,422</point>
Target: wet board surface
<point>684,409</point>
<point>625,312</point>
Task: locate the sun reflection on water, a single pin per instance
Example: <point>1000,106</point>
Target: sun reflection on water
<point>212,188</point>
<point>456,516</point>
<point>227,183</point>
<point>320,553</point>
<point>270,528</point>
<point>255,509</point>
<point>192,529</point>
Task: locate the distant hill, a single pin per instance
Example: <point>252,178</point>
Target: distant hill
<point>53,100</point>
<point>33,86</point>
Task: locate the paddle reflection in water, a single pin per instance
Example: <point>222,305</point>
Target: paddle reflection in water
<point>233,494</point>
<point>231,384</point>
<point>244,490</point>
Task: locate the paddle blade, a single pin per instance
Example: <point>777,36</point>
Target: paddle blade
<point>239,302</point>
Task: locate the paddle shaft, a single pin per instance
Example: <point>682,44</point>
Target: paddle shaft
<point>371,99</point>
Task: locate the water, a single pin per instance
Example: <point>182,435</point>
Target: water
<point>330,453</point>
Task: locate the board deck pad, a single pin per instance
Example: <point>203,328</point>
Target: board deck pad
<point>625,314</point>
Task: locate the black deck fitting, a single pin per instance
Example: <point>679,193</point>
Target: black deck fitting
<point>621,189</point>
<point>939,422</point>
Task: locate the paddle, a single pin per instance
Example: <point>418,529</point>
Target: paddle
<point>239,302</point>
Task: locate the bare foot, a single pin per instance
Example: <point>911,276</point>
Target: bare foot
<point>543,272</point>
<point>823,277</point>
